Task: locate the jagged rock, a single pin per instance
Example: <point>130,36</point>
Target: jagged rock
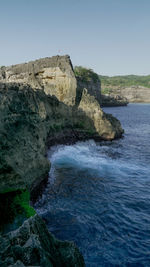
<point>106,125</point>
<point>32,245</point>
<point>93,88</point>
<point>27,118</point>
<point>23,135</point>
<point>29,121</point>
<point>54,75</point>
<point>89,100</point>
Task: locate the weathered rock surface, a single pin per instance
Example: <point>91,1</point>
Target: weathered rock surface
<point>33,245</point>
<point>93,88</point>
<point>39,111</point>
<point>23,132</point>
<point>113,101</point>
<point>54,75</point>
<point>89,99</point>
<point>106,125</point>
<point>29,121</point>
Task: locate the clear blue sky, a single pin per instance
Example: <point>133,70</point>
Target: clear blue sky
<point>110,36</point>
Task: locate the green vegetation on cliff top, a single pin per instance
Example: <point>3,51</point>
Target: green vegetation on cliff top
<point>85,74</point>
<point>124,81</point>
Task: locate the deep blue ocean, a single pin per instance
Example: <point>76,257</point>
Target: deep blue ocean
<point>98,194</point>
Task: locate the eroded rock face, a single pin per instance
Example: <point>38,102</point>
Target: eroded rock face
<point>93,88</point>
<point>27,117</point>
<point>89,99</point>
<point>32,245</point>
<point>29,121</point>
<point>106,125</point>
<point>54,75</point>
<point>30,116</point>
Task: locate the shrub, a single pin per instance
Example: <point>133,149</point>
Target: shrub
<point>85,74</point>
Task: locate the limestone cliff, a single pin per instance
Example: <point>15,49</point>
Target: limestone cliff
<point>106,125</point>
<point>27,118</point>
<point>89,99</point>
<point>37,109</point>
<point>54,75</point>
<point>29,121</point>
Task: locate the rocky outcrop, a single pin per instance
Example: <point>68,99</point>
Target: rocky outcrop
<point>37,112</point>
<point>23,132</point>
<point>89,99</point>
<point>32,245</point>
<point>106,125</point>
<point>54,75</point>
<point>113,101</point>
<point>30,121</point>
<point>93,88</point>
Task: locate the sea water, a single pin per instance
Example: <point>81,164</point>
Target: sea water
<point>98,194</point>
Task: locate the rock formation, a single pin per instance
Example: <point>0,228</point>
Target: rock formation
<point>38,108</point>
<point>93,88</point>
<point>54,75</point>
<point>32,245</point>
<point>89,99</point>
<point>106,125</point>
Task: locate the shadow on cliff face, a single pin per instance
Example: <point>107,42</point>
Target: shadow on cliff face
<point>29,122</point>
<point>88,99</point>
<point>93,87</point>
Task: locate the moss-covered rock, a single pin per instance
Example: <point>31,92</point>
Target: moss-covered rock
<point>14,204</point>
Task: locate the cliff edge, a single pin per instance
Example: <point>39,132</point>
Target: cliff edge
<point>38,109</point>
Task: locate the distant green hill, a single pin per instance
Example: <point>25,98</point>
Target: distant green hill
<point>123,81</point>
